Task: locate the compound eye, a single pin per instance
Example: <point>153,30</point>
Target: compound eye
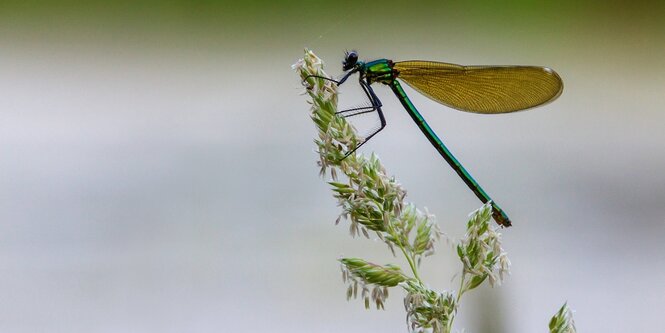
<point>353,56</point>
<point>350,60</point>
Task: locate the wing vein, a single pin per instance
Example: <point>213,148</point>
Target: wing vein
<point>482,89</point>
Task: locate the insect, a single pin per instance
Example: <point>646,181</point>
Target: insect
<point>476,89</point>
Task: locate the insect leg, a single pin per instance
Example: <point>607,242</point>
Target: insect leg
<point>344,78</point>
<point>356,111</point>
<point>376,106</point>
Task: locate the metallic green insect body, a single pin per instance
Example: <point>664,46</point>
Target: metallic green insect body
<point>477,89</point>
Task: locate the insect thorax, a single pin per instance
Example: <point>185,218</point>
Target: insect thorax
<point>380,71</point>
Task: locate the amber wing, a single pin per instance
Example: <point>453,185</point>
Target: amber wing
<point>482,89</point>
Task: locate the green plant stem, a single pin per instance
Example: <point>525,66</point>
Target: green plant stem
<point>457,300</point>
<point>409,259</point>
<point>461,288</point>
<point>411,263</point>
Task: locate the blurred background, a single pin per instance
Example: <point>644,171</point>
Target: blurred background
<point>157,170</point>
